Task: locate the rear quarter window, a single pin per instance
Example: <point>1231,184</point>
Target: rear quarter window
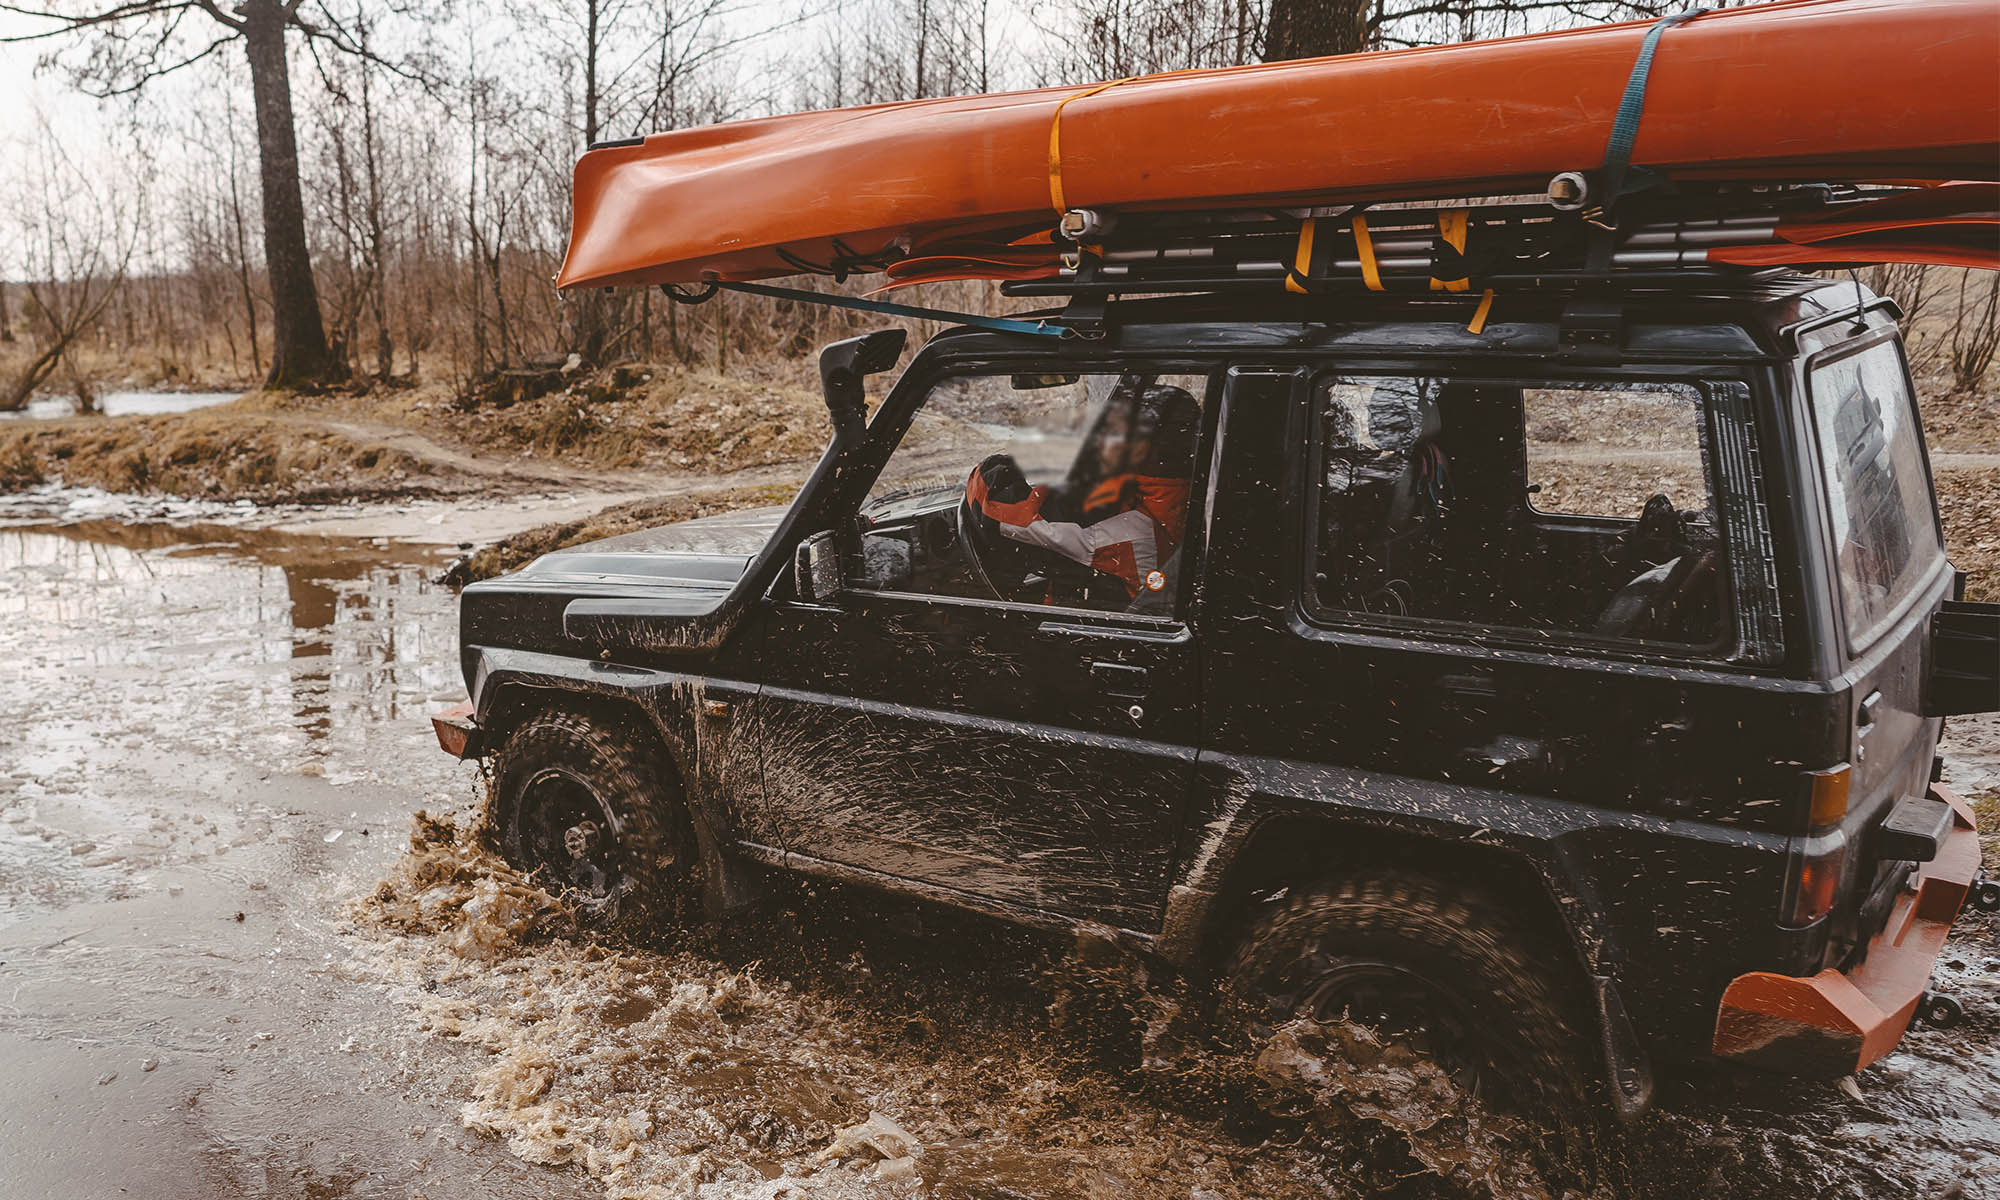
<point>1580,514</point>
<point>1878,488</point>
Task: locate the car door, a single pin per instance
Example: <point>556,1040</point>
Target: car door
<point>1026,753</point>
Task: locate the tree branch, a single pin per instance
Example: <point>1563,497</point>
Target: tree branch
<point>153,72</point>
<point>71,23</point>
<point>209,6</point>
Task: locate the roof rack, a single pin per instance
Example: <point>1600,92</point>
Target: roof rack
<point>1667,241</point>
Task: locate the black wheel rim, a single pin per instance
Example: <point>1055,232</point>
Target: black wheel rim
<point>1403,1005</point>
<point>568,836</point>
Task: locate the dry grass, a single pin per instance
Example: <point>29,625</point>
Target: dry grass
<point>212,454</point>
<point>520,549</point>
<point>627,418</point>
<point>1969,501</point>
<point>200,368</point>
<point>1960,420</point>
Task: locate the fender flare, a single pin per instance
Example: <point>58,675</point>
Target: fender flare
<point>512,684</point>
<point>1201,905</point>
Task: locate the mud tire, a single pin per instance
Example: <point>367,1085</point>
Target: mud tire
<point>1500,979</point>
<point>589,806</point>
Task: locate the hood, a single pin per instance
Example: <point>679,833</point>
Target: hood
<point>709,552</point>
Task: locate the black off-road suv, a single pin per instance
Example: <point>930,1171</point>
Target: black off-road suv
<point>1574,692</point>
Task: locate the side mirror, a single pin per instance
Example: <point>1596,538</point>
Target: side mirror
<point>844,366</point>
<point>816,568</point>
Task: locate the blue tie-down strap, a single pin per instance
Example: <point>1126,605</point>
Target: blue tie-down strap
<point>1038,328</point>
<point>1625,127</point>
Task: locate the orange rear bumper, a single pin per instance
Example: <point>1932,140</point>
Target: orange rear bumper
<point>457,733</point>
<point>1835,1022</point>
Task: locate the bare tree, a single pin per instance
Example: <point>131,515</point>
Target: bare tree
<point>1110,39</point>
<point>110,48</point>
<point>77,232</point>
<point>1975,329</point>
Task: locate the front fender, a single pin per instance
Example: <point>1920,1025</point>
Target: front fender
<point>697,719</point>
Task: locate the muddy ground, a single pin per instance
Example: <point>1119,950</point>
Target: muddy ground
<point>225,972</point>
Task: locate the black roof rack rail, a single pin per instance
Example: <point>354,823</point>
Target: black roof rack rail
<point>1662,241</point>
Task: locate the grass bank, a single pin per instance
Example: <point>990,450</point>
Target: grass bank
<point>629,418</point>
<point>213,454</point>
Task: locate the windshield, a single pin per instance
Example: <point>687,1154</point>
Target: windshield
<point>1884,524</point>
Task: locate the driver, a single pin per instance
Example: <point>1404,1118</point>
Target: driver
<point>1123,511</point>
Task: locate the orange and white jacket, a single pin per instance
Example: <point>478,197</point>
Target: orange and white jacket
<point>1132,545</point>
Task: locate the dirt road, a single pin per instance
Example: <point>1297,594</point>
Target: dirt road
<point>211,742</point>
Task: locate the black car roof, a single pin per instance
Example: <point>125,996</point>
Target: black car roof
<point>1744,321</point>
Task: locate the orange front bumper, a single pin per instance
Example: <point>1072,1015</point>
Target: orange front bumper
<point>1837,1022</point>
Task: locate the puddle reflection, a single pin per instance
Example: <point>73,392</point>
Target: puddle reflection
<point>204,634</point>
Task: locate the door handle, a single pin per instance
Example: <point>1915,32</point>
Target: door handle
<point>1119,679</point>
<point>1075,631</point>
<point>1865,713</point>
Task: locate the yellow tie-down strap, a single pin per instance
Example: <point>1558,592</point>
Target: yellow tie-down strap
<point>1452,224</point>
<point>1295,279</point>
<point>1451,231</point>
<point>1055,140</point>
<point>1371,272</point>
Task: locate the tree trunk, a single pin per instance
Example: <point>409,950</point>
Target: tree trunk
<point>6,321</point>
<point>590,320</point>
<point>378,252</point>
<point>22,387</point>
<point>1311,28</point>
<point>243,283</point>
<point>298,351</point>
<point>590,73</point>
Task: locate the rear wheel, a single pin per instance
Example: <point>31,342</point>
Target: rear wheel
<point>1445,972</point>
<point>589,808</point>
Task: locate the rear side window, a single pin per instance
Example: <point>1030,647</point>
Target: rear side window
<point>1884,526</point>
<point>1592,450</point>
<point>1580,513</point>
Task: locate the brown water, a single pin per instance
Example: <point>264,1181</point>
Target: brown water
<point>224,972</point>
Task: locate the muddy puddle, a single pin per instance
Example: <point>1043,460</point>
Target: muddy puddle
<point>227,970</point>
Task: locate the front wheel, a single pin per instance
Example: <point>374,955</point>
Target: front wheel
<point>1446,972</point>
<point>589,809</point>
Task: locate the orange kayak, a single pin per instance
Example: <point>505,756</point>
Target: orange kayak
<point>1833,90</point>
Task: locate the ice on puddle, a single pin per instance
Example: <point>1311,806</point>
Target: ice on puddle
<point>877,1133</point>
<point>897,1168</point>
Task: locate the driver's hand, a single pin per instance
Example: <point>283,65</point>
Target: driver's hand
<point>997,489</point>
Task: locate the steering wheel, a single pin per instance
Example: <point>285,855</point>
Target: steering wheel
<point>1002,567</point>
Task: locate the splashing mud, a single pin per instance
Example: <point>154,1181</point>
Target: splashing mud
<point>679,1074</point>
<point>1365,1091</point>
<point>835,1070</point>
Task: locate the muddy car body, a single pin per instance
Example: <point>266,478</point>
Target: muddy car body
<point>1700,778</point>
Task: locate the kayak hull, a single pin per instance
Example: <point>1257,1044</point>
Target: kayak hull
<point>1796,90</point>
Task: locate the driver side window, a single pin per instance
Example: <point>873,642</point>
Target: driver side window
<point>1063,489</point>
